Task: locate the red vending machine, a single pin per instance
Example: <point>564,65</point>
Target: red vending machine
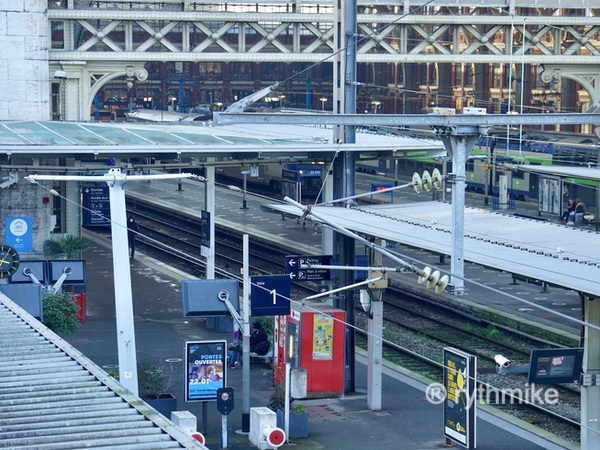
<point>312,338</point>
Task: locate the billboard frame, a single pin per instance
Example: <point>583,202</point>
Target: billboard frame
<point>199,357</point>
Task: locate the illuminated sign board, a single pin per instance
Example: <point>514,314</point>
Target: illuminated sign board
<point>205,363</point>
<point>96,204</point>
<point>555,365</point>
<point>293,263</point>
<point>459,405</point>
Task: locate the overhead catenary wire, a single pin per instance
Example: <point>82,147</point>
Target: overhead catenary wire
<point>308,306</point>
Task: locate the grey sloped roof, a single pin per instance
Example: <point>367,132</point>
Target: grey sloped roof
<point>53,397</point>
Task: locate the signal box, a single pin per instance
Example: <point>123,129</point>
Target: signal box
<point>312,338</point>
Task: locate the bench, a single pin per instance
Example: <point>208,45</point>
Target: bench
<point>267,357</point>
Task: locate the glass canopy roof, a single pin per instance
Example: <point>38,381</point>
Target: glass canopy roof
<point>101,134</point>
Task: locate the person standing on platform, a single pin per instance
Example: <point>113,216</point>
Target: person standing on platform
<point>132,231</point>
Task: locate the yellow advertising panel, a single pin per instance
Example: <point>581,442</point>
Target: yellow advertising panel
<point>322,337</point>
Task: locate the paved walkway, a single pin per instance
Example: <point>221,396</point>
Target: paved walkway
<point>406,421</point>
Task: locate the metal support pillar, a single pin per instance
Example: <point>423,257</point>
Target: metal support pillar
<point>349,105</point>
<point>246,341</point>
<point>209,204</point>
<point>122,280</point>
<point>72,209</point>
<point>459,142</point>
<point>375,339</point>
<point>344,175</point>
<point>327,234</point>
<point>590,395</point>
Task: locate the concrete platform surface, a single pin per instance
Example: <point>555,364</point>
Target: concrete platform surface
<point>406,421</point>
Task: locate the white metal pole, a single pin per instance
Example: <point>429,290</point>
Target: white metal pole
<point>286,425</point>
<point>122,280</point>
<point>224,431</point>
<point>209,202</point>
<point>246,340</point>
<point>375,340</point>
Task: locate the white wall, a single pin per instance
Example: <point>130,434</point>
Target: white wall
<point>24,82</point>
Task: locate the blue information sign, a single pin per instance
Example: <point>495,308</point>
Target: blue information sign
<point>293,265</point>
<point>96,204</point>
<point>205,228</point>
<point>19,233</point>
<point>270,295</point>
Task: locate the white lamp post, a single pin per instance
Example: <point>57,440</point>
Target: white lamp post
<point>323,100</point>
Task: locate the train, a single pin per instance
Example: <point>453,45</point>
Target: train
<point>499,153</point>
<point>172,117</point>
<point>295,180</point>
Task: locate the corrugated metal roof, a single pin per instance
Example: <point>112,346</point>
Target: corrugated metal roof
<point>54,397</point>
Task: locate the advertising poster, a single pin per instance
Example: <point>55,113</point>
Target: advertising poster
<point>459,409</point>
<point>322,337</point>
<point>205,363</point>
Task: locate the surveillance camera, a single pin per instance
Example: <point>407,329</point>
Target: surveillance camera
<point>502,361</point>
<point>60,74</point>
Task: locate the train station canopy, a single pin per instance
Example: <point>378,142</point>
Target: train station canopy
<point>585,173</point>
<point>166,141</point>
<point>550,252</point>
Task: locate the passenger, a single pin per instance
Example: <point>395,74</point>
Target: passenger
<point>259,344</point>
<point>568,211</point>
<point>576,216</point>
<point>579,211</point>
<point>132,231</point>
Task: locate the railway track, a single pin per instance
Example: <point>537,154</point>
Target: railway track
<point>415,332</point>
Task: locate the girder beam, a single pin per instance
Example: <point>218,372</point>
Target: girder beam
<point>386,37</point>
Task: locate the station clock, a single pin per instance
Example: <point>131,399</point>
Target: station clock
<point>9,261</point>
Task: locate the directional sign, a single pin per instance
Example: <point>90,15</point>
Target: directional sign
<point>19,233</point>
<point>270,295</point>
<point>96,204</point>
<point>293,265</point>
<point>205,228</point>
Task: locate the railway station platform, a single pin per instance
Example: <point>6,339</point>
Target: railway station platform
<point>407,420</point>
<point>494,290</point>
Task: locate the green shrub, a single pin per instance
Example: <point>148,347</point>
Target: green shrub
<point>153,378</point>
<point>60,312</point>
<point>66,247</point>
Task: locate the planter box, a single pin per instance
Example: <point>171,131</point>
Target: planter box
<point>165,405</point>
<point>298,426</point>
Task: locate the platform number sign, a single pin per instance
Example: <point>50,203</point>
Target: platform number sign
<point>270,295</point>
